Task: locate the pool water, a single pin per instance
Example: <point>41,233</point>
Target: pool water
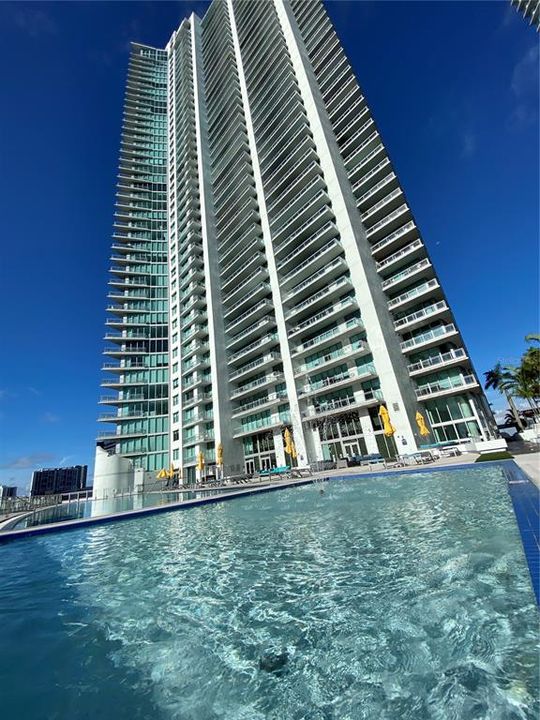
<point>74,509</point>
<point>385,597</point>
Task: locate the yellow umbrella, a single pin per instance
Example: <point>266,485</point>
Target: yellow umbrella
<point>288,441</point>
<point>170,471</point>
<point>200,461</point>
<point>219,455</point>
<point>293,451</point>
<point>388,428</point>
<point>162,474</point>
<point>420,421</point>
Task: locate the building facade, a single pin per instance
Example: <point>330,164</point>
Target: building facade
<point>8,491</point>
<point>268,270</point>
<point>56,481</point>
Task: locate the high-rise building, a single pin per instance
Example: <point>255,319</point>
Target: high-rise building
<point>268,272</point>
<point>56,481</point>
<point>530,10</point>
<point>8,491</point>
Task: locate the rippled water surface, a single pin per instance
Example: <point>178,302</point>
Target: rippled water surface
<point>383,598</point>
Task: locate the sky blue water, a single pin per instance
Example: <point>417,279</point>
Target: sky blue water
<point>386,598</point>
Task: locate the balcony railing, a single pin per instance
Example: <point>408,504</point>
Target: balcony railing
<point>270,398</point>
<point>411,270</point>
<point>438,360</point>
<point>420,314</point>
<point>253,346</point>
<point>407,250</point>
<point>344,352</point>
<point>446,386</point>
<point>269,357</point>
<point>415,292</point>
<point>435,334</point>
<point>338,330</point>
<point>341,305</point>
<point>271,378</point>
<point>338,404</point>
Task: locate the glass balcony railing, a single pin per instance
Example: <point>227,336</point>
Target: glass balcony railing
<point>434,334</point>
<point>259,382</point>
<point>408,272</point>
<point>445,386</point>
<point>332,406</point>
<point>415,292</point>
<point>438,360</point>
<point>421,314</point>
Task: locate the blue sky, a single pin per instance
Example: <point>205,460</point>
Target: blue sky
<point>453,87</point>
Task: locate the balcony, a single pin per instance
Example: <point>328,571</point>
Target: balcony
<point>418,317</point>
<point>270,379</point>
<point>419,269</point>
<point>303,215</point>
<point>237,270</point>
<point>390,223</point>
<point>356,349</point>
<point>370,178</point>
<point>272,357</point>
<point>341,284</point>
<point>367,164</point>
<point>435,362</point>
<point>403,256</point>
<point>126,351</point>
<point>244,319</point>
<point>269,400</point>
<point>323,234</point>
<point>382,208</point>
<point>303,261</point>
<point>430,337</point>
<point>260,290</point>
<point>319,277</point>
<point>260,274</point>
<point>411,296</point>
<point>271,421</point>
<point>253,347</point>
<point>339,405</point>
<point>329,335</point>
<point>329,383</point>
<point>327,314</point>
<point>446,387</point>
<point>256,327</point>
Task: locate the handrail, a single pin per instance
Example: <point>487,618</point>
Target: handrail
<point>411,270</point>
<point>441,330</point>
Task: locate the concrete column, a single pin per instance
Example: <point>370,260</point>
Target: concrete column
<point>368,433</point>
<point>279,448</point>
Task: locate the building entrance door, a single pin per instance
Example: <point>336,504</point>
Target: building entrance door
<point>266,462</point>
<point>351,448</point>
<point>250,467</point>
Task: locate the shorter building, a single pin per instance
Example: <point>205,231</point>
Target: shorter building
<point>7,491</point>
<point>55,481</point>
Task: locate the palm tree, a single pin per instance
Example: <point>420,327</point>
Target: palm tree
<point>523,381</point>
<point>500,378</point>
<point>533,337</point>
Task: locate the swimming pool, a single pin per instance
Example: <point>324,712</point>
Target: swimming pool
<point>74,509</point>
<point>385,597</point>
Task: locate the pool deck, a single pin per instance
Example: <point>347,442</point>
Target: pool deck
<point>530,464</point>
